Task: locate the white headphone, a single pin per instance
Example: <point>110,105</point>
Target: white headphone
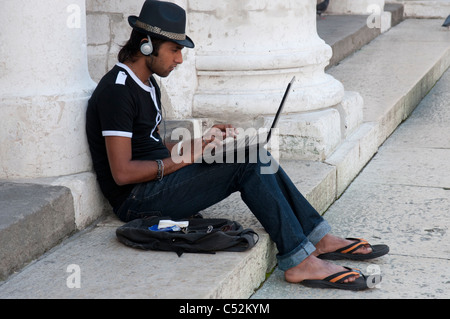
<point>147,47</point>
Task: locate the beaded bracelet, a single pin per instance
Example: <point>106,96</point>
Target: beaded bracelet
<point>160,173</point>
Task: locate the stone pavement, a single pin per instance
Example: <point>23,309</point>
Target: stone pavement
<point>401,198</point>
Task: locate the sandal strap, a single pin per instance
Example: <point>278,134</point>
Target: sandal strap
<point>353,246</point>
<point>343,275</point>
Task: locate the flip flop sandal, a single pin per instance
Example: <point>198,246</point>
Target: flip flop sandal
<point>347,251</point>
<point>337,281</point>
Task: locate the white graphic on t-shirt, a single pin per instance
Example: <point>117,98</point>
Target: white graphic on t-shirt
<point>121,77</point>
<point>158,111</point>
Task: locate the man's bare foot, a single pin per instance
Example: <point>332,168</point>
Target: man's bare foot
<point>330,243</point>
<point>313,268</point>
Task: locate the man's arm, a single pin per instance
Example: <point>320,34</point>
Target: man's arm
<point>127,171</point>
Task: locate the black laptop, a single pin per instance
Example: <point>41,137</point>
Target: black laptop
<point>247,143</point>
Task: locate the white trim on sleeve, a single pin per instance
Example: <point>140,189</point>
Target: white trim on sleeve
<point>117,133</point>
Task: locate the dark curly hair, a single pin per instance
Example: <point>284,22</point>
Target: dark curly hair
<point>131,49</point>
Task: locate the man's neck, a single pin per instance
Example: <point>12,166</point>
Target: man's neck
<point>140,69</point>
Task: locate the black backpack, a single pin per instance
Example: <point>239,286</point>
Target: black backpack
<point>203,235</point>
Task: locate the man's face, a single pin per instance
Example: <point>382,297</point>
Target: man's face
<point>169,56</point>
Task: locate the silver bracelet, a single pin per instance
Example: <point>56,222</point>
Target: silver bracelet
<point>160,173</point>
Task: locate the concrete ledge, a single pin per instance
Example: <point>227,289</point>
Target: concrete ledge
<point>393,73</point>
<point>391,80</point>
<point>109,269</point>
<point>353,155</point>
<point>88,201</point>
<point>396,10</point>
<point>426,8</point>
<point>345,34</point>
<point>33,218</point>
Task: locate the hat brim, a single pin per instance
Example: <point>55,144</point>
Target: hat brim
<point>187,42</point>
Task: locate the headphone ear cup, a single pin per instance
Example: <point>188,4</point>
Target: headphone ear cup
<point>146,48</point>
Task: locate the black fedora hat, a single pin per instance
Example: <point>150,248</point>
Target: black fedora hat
<point>164,20</point>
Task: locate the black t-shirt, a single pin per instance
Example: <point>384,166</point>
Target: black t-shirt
<point>122,105</point>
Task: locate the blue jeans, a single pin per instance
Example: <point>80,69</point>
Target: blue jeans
<point>291,222</point>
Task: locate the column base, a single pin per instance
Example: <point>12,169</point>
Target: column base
<point>43,135</point>
<point>316,135</point>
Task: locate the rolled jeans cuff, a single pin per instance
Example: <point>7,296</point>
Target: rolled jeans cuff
<point>306,248</point>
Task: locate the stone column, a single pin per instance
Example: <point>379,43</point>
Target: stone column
<point>248,51</point>
<point>44,88</point>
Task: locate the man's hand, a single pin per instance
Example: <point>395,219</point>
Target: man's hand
<point>193,150</point>
<point>220,132</point>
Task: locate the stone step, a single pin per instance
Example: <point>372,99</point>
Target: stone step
<point>345,34</point>
<point>349,33</point>
<point>33,219</point>
<point>397,12</point>
<point>385,72</point>
<point>391,77</point>
<point>392,74</point>
<point>438,9</point>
